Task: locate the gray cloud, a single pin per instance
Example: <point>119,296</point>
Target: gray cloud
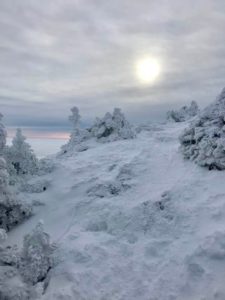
<point>59,53</point>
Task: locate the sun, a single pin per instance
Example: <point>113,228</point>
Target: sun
<point>147,70</point>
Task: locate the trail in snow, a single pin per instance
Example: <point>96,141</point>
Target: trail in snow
<point>133,220</point>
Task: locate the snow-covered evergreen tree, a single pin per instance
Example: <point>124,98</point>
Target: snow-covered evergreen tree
<point>78,135</point>
<point>20,157</point>
<point>204,140</point>
<point>112,127</point>
<point>12,210</point>
<point>184,114</point>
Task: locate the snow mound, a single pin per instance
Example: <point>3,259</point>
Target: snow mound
<point>142,219</point>
<point>184,114</point>
<point>12,286</point>
<point>203,267</point>
<point>106,189</point>
<point>204,140</point>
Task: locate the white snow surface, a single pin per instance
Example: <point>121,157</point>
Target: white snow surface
<point>133,220</point>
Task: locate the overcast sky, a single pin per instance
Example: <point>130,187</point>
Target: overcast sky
<point>55,54</point>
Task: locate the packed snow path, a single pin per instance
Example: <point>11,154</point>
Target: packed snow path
<point>133,220</point>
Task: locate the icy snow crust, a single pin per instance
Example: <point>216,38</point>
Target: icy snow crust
<point>133,220</point>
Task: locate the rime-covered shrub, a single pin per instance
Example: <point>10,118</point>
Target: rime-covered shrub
<point>204,140</point>
<point>13,211</point>
<point>36,258</point>
<point>20,157</point>
<point>184,114</point>
<point>112,127</point>
<point>78,135</point>
<point>24,275</point>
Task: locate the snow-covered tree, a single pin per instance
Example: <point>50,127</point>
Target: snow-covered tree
<point>12,210</point>
<point>184,114</point>
<point>112,127</point>
<point>36,257</point>
<point>3,235</point>
<point>204,140</point>
<point>19,271</point>
<point>20,157</point>
<point>78,135</point>
<point>2,135</point>
<point>75,118</point>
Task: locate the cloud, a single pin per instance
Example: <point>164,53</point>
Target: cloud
<point>59,53</point>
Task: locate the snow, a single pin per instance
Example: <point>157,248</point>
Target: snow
<point>132,220</point>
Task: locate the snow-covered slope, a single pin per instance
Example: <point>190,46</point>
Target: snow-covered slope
<point>133,220</point>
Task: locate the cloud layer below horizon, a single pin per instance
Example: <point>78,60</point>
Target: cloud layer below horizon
<point>59,53</point>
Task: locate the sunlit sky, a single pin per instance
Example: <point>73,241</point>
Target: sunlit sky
<point>59,53</point>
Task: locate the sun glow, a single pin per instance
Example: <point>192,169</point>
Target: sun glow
<point>147,70</point>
